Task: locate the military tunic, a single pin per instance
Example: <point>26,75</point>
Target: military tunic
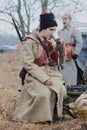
<point>70,71</point>
<point>38,100</point>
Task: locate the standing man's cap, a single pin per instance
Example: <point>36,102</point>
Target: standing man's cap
<point>47,20</point>
<point>66,15</point>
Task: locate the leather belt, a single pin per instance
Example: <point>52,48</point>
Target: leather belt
<point>49,64</point>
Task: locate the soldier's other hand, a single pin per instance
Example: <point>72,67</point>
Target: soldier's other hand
<point>74,56</point>
<point>61,40</point>
<point>48,82</point>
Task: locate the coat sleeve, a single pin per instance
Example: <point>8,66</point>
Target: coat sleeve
<point>28,60</point>
<point>78,41</point>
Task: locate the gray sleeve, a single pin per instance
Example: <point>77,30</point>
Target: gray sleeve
<point>78,41</point>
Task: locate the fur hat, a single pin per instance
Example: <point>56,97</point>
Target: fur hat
<point>47,20</point>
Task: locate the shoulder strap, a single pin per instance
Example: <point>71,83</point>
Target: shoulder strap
<point>44,47</point>
<point>72,35</point>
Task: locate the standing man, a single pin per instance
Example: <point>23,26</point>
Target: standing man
<point>73,45</point>
<point>43,87</point>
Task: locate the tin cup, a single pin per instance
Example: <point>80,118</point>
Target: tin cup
<point>55,36</point>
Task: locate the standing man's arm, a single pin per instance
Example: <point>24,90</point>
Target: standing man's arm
<point>78,42</point>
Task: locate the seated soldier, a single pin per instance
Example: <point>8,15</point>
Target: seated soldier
<point>43,87</point>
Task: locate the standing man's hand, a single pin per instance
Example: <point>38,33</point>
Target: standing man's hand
<point>74,56</point>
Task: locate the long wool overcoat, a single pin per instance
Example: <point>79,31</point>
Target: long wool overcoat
<point>37,100</point>
<point>71,34</point>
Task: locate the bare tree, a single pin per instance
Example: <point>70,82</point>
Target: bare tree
<point>25,12</point>
<point>44,5</point>
<point>22,11</point>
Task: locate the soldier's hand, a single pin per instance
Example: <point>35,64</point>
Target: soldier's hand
<point>61,40</point>
<point>48,82</point>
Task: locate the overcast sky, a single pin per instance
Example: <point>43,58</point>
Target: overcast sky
<point>80,17</point>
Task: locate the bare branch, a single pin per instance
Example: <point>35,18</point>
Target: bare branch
<point>6,21</point>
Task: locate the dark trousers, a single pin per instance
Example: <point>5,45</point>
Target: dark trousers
<point>80,79</point>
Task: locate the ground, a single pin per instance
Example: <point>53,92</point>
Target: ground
<point>10,65</point>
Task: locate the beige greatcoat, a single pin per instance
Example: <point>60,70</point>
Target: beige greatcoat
<point>37,101</point>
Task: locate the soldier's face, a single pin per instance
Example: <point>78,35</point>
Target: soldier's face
<point>47,33</point>
<point>66,21</point>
